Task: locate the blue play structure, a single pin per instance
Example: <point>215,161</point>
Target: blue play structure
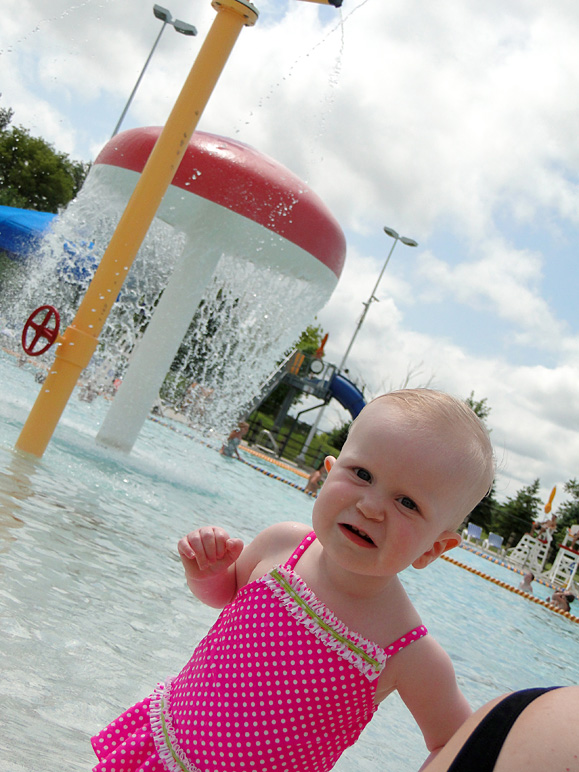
<point>21,230</point>
<point>310,375</point>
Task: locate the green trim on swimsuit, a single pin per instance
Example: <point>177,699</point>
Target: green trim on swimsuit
<point>283,582</point>
<point>167,738</point>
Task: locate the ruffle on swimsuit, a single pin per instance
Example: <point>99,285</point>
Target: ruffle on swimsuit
<point>303,605</point>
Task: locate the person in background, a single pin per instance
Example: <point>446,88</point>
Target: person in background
<point>548,525</point>
<point>527,582</point>
<point>315,480</point>
<point>231,447</point>
<point>574,540</point>
<point>562,599</point>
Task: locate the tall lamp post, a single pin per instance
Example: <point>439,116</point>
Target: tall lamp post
<point>394,235</point>
<point>179,26</point>
<point>409,243</point>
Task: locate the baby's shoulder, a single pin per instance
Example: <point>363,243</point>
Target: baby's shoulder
<point>282,536</point>
<point>417,666</point>
<point>423,659</point>
<point>271,547</point>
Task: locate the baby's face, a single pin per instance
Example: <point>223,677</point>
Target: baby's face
<point>396,489</point>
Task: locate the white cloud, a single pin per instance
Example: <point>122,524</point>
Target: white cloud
<point>505,282</point>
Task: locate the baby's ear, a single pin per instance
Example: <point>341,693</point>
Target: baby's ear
<point>446,541</point>
<point>329,462</point>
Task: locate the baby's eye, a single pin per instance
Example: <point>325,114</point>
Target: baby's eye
<point>363,474</point>
<point>407,502</point>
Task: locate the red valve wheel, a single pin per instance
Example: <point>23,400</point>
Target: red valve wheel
<point>38,323</point>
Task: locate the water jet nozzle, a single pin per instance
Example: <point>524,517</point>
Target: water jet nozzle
<point>335,3</point>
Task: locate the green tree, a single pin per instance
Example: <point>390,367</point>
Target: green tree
<point>338,436</point>
<point>310,339</point>
<point>517,514</point>
<point>33,175</point>
<point>484,512</point>
<point>479,406</point>
<point>5,117</point>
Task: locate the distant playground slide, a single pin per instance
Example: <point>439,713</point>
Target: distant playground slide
<point>21,231</point>
<point>20,228</point>
<point>347,394</point>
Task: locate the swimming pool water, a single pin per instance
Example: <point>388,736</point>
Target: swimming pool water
<point>94,608</point>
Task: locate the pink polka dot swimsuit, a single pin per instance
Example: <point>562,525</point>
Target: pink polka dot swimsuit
<point>279,684</point>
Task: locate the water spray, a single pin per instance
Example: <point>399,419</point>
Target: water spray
<point>79,341</point>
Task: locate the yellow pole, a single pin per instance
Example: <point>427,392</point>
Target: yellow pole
<point>80,339</point>
<point>551,497</point>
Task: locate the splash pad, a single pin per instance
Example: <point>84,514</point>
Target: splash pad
<point>79,341</point>
<point>237,236</point>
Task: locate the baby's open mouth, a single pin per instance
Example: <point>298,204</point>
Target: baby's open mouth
<point>361,534</point>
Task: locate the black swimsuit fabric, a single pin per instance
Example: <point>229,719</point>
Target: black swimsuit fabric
<point>481,750</point>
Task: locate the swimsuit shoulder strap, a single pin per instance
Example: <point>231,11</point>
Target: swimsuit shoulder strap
<point>393,648</point>
<point>406,640</point>
<point>299,550</point>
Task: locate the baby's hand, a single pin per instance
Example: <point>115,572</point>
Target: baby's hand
<point>208,551</point>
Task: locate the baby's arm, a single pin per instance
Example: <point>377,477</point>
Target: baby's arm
<point>208,556</point>
<point>427,683</point>
<point>216,566</point>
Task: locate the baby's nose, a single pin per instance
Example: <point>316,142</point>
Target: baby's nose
<point>372,507</point>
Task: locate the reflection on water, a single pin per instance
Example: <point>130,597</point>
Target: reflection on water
<point>14,487</point>
<point>94,608</point>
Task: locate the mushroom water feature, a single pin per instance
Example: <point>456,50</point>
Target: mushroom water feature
<point>227,199</point>
<point>240,256</point>
<point>80,340</point>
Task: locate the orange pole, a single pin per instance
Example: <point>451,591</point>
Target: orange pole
<point>551,497</point>
<point>79,341</point>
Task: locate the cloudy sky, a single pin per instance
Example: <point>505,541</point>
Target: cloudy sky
<point>453,122</point>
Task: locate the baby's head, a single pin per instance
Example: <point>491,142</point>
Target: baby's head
<point>445,429</point>
<point>414,465</point>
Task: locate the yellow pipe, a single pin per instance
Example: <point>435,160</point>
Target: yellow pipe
<point>78,343</point>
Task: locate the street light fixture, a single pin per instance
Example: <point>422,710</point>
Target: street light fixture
<point>409,243</point>
<point>394,235</point>
<point>164,15</point>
